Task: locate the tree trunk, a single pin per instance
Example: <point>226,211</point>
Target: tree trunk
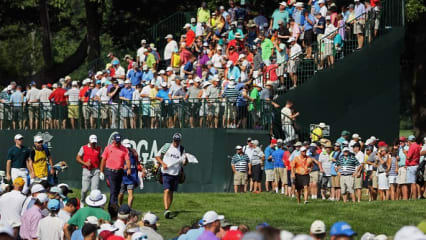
<point>94,22</point>
<point>45,26</point>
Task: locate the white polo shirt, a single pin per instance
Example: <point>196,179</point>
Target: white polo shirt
<point>172,157</point>
<point>10,207</point>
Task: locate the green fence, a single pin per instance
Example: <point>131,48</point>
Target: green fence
<point>144,113</point>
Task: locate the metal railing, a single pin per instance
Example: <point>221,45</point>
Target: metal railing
<point>144,113</point>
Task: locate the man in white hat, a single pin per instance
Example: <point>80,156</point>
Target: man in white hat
<point>211,222</point>
<point>279,14</point>
<point>39,158</point>
<point>172,158</point>
<point>150,225</point>
<point>347,166</point>
<point>73,103</point>
<point>241,166</point>
<point>295,51</point>
<point>18,159</point>
<point>318,230</point>
<point>126,95</point>
<point>171,46</point>
<point>140,54</point>
<point>317,133</point>
<point>190,35</point>
<point>95,203</point>
<point>89,156</point>
<point>301,166</point>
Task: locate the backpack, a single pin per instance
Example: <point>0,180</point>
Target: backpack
<point>420,173</point>
<point>159,175</point>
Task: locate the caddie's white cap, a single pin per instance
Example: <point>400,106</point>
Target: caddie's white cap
<point>18,136</point>
<point>42,197</point>
<point>38,138</point>
<point>93,138</point>
<point>211,216</point>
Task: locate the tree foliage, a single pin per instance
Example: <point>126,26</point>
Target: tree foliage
<point>413,9</point>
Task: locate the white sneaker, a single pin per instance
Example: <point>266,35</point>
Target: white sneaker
<point>323,198</point>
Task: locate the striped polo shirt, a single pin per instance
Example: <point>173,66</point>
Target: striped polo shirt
<point>240,162</point>
<point>231,94</point>
<point>347,164</point>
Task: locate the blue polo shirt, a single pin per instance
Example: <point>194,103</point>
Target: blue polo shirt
<point>277,156</point>
<point>269,164</point>
<point>234,72</point>
<point>164,94</point>
<point>147,76</point>
<point>307,26</point>
<point>231,34</point>
<point>277,15</point>
<point>135,76</point>
<point>127,93</point>
<point>294,154</point>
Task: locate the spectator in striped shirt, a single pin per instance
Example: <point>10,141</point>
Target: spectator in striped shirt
<point>241,165</point>
<point>230,94</point>
<point>347,167</point>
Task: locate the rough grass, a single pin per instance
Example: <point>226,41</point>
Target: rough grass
<point>279,211</point>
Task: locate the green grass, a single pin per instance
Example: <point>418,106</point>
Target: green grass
<point>376,217</point>
<point>405,133</point>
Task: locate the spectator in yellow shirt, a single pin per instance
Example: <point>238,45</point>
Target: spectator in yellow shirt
<point>317,134</point>
<point>203,14</point>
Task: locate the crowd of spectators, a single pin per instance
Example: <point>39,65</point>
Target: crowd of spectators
<point>319,169</point>
<point>223,71</point>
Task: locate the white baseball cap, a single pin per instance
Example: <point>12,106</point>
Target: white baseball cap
<point>169,36</point>
<point>38,138</point>
<point>229,63</point>
<point>409,232</point>
<point>93,138</point>
<point>150,218</point>
<point>302,149</point>
<point>187,25</point>
<point>18,136</point>
<point>92,220</point>
<point>238,147</point>
<point>108,227</point>
<point>283,3</point>
<point>291,39</point>
<point>318,227</point>
<point>355,135</point>
<point>126,143</point>
<point>42,197</point>
<point>346,149</point>
<point>241,56</point>
<point>211,216</point>
<point>127,81</point>
<point>162,71</point>
<point>169,69</point>
<point>322,125</point>
<point>37,188</point>
<point>321,1</point>
<point>163,84</point>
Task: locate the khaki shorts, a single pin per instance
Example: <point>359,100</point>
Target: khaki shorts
<point>347,184</point>
<point>358,182</point>
<point>240,178</point>
<point>292,66</point>
<point>359,26</point>
<point>402,176</point>
<point>314,177</point>
<point>73,111</point>
<point>280,174</point>
<point>33,112</point>
<point>375,179</point>
<point>335,181</point>
<point>270,177</point>
<point>86,111</point>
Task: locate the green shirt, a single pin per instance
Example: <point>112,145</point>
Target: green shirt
<point>254,94</point>
<point>80,216</point>
<point>150,60</point>
<point>19,156</point>
<point>267,47</point>
<point>203,15</point>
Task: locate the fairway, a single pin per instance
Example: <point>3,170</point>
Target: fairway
<point>279,211</point>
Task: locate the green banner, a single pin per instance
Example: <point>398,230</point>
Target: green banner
<point>212,148</point>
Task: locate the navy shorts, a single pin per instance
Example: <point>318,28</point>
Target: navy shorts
<point>170,182</point>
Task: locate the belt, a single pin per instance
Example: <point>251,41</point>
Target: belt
<point>114,170</point>
<point>346,174</point>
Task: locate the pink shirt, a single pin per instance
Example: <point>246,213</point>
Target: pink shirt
<point>29,223</point>
<point>115,156</point>
<point>413,156</point>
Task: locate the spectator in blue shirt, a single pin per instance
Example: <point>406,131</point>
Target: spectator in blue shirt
<point>135,75</point>
<point>309,33</point>
<point>163,96</point>
<point>279,167</point>
<point>279,14</point>
<point>233,31</point>
<point>233,72</point>
<point>126,95</point>
<point>269,165</point>
<point>147,74</point>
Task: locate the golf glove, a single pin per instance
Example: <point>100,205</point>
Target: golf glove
<point>101,176</point>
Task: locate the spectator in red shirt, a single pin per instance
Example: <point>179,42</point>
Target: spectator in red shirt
<point>59,108</point>
<point>84,98</point>
<point>286,160</point>
<point>190,35</point>
<point>412,163</point>
<point>129,60</point>
<point>233,55</point>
